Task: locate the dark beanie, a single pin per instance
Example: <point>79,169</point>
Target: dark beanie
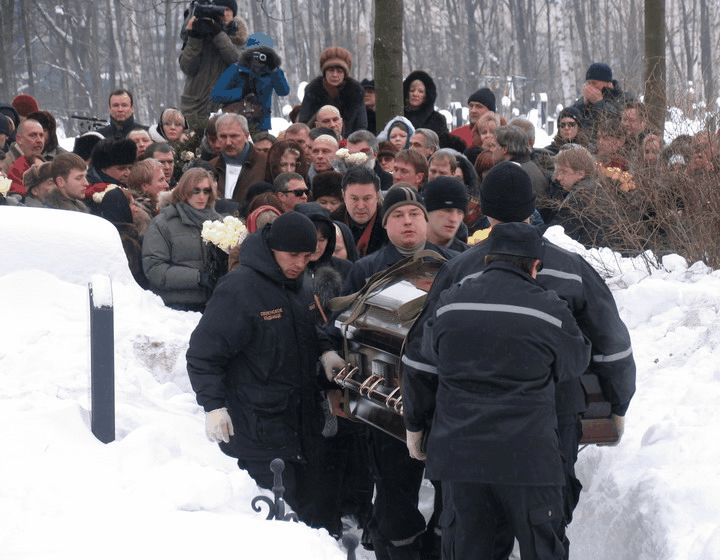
<point>85,143</point>
<point>445,192</point>
<point>506,193</point>
<point>109,152</point>
<point>25,104</point>
<point>293,233</point>
<point>401,194</point>
<point>570,113</point>
<point>484,96</point>
<point>4,125</point>
<point>517,239</point>
<point>599,71</point>
<point>232,4</point>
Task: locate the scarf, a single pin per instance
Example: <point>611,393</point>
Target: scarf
<point>408,252</point>
<point>197,217</point>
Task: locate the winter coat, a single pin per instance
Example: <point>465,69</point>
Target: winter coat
<point>203,60</point>
<point>254,352</point>
<point>610,106</point>
<point>378,235</point>
<point>119,130</point>
<point>173,255</point>
<point>349,102</point>
<point>424,116</point>
<point>592,305</point>
<point>54,199</point>
<point>500,340</point>
<point>243,78</point>
<point>253,171</point>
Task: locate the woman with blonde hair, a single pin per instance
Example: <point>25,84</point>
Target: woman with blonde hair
<point>175,258</point>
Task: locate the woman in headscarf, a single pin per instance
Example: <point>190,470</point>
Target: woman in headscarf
<point>420,93</point>
<point>398,132</point>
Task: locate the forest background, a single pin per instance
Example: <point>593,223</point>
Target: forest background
<point>70,54</point>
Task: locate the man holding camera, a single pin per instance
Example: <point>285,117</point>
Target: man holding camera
<point>213,38</point>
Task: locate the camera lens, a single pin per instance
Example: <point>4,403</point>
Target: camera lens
<point>262,57</point>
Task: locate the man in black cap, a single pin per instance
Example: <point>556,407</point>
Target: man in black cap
<point>369,101</point>
<point>499,341</point>
<point>397,525</point>
<point>446,202</point>
<point>479,103</point>
<point>251,362</point>
<point>507,196</point>
<point>602,98</point>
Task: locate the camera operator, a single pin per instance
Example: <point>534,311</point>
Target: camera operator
<point>213,38</point>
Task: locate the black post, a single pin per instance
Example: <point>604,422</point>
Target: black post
<point>102,360</point>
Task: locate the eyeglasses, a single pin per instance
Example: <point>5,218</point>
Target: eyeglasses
<point>572,124</point>
<point>299,192</point>
<point>204,191</point>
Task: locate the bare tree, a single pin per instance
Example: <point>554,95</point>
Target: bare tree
<point>387,52</point>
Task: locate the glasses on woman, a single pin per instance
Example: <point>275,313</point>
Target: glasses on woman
<point>571,124</point>
<point>203,191</point>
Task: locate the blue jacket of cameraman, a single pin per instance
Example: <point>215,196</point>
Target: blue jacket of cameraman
<point>258,71</point>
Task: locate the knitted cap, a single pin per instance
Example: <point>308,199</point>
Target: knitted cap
<point>336,56</point>
<point>258,39</point>
<point>293,233</point>
<point>599,71</point>
<point>484,96</point>
<point>569,113</point>
<point>445,192</point>
<point>506,193</point>
<point>518,239</point>
<point>25,104</point>
<point>109,152</point>
<point>327,139</point>
<point>401,194</point>
<point>232,4</point>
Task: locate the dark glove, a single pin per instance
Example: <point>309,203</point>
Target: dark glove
<point>206,281</point>
<point>216,27</point>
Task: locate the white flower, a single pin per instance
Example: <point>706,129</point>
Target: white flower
<point>224,234</point>
<point>357,158</point>
<point>342,152</point>
<point>5,185</point>
<point>98,196</point>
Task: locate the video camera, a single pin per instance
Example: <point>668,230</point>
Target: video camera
<point>208,16</point>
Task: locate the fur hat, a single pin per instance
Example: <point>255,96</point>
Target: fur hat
<point>36,175</point>
<point>10,112</point>
<point>327,183</point>
<point>293,233</point>
<point>25,104</point>
<point>506,193</point>
<point>517,239</point>
<point>599,71</point>
<point>401,194</point>
<point>232,4</point>
<point>385,148</point>
<point>109,152</point>
<point>445,192</point>
<point>85,143</point>
<point>484,96</point>
<point>336,56</point>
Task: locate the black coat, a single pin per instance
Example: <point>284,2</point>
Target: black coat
<point>254,352</point>
<point>424,116</point>
<point>120,130</point>
<point>349,102</point>
<point>592,305</point>
<point>500,340</point>
<point>378,235</point>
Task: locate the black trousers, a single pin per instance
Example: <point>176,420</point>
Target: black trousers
<point>534,514</point>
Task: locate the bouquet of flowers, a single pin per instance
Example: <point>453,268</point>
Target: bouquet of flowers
<point>98,196</point>
<point>344,160</point>
<point>5,185</point>
<point>224,234</point>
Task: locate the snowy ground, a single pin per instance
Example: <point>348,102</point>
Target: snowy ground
<point>161,490</point>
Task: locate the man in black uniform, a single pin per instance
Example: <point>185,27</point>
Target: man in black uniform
<point>252,359</point>
<point>507,196</point>
<point>396,523</point>
<point>499,341</point>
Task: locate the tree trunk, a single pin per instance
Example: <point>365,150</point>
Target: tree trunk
<point>566,53</point>
<point>387,52</point>
<point>706,65</point>
<point>655,92</point>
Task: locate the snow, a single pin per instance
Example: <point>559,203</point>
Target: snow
<point>163,490</point>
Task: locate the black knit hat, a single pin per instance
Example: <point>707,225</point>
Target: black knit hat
<point>599,71</point>
<point>401,194</point>
<point>445,192</point>
<point>484,96</point>
<point>4,125</point>
<point>232,4</point>
<point>517,239</point>
<point>293,233</point>
<point>570,113</point>
<point>506,193</point>
<point>85,143</point>
<point>109,152</point>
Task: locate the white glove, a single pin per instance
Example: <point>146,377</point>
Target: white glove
<point>218,426</point>
<point>414,444</point>
<point>332,363</point>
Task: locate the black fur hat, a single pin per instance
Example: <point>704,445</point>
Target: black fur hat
<point>109,152</point>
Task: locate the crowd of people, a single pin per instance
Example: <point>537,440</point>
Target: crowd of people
<point>331,201</point>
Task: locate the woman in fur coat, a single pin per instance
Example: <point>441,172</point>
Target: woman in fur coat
<point>420,93</point>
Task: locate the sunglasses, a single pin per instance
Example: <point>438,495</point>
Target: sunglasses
<point>568,124</point>
<point>204,191</point>
<point>299,192</point>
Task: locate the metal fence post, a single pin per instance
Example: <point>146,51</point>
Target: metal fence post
<point>102,359</point>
